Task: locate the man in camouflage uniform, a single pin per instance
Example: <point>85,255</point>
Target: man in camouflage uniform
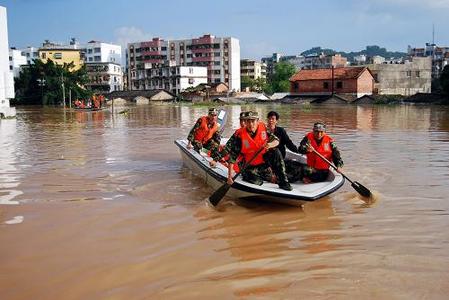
<point>230,144</point>
<point>271,161</point>
<point>318,170</point>
<point>209,122</point>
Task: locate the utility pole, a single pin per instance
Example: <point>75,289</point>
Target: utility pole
<point>332,80</point>
<point>63,89</point>
<point>41,83</point>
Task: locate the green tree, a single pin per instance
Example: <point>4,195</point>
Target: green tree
<point>246,82</point>
<point>279,81</point>
<point>41,83</point>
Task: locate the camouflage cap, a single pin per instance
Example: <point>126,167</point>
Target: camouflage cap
<point>213,111</point>
<point>252,115</point>
<point>243,115</point>
<point>319,126</point>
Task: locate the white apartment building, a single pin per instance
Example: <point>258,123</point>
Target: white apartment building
<point>221,57</point>
<point>6,76</point>
<point>253,69</point>
<point>30,53</point>
<point>16,60</point>
<point>104,77</point>
<point>95,52</point>
<point>175,79</point>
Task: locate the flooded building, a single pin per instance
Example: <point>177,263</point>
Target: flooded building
<point>17,59</point>
<point>220,55</point>
<point>403,78</point>
<point>439,56</point>
<point>104,77</point>
<point>6,76</point>
<point>351,81</point>
<point>176,79</point>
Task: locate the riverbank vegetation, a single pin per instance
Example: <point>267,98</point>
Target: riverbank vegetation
<point>48,84</point>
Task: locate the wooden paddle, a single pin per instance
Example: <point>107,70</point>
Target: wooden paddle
<point>216,197</point>
<point>357,186</point>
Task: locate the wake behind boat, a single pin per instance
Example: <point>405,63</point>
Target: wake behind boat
<point>215,177</point>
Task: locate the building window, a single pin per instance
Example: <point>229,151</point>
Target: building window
<point>325,85</point>
<point>296,87</point>
<point>44,55</point>
<point>10,58</point>
<point>89,51</point>
<point>409,73</point>
<point>97,58</point>
<point>417,74</point>
<point>97,50</point>
<point>90,59</point>
<point>339,84</point>
<point>57,55</point>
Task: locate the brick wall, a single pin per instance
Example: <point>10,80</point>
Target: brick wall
<point>365,83</point>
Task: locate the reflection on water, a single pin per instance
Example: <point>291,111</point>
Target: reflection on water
<point>107,210</point>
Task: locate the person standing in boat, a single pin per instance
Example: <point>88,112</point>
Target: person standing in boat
<point>284,139</point>
<point>204,134</point>
<point>317,169</point>
<point>254,137</point>
<point>230,146</point>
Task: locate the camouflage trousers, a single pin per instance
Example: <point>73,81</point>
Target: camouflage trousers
<point>297,172</point>
<point>210,145</point>
<point>274,164</point>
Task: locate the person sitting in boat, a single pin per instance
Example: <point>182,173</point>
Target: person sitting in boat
<point>284,139</point>
<point>317,169</point>
<point>204,134</point>
<point>252,139</point>
<point>223,154</point>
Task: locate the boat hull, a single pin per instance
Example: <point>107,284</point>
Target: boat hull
<point>216,177</point>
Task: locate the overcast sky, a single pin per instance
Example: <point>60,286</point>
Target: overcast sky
<point>263,27</point>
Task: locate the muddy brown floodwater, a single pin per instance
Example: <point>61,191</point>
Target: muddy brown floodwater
<point>99,206</point>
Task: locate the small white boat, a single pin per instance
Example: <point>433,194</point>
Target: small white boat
<point>216,177</point>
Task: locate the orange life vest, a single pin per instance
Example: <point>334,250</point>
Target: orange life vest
<point>324,149</point>
<point>204,133</point>
<point>251,145</point>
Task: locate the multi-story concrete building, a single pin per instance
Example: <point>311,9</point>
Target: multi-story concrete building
<point>221,57</point>
<point>271,62</point>
<point>30,53</point>
<point>322,61</point>
<point>6,76</point>
<point>104,77</point>
<point>16,61</point>
<point>176,79</point>
<point>95,52</point>
<point>61,54</point>
<point>297,60</point>
<point>439,56</point>
<point>253,69</point>
<point>406,78</point>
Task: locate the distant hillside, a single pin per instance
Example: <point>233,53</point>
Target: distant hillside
<point>369,51</point>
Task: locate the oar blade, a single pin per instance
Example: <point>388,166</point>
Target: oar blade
<point>361,189</point>
<point>216,197</point>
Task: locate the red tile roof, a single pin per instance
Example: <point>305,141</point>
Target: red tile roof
<point>320,74</point>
